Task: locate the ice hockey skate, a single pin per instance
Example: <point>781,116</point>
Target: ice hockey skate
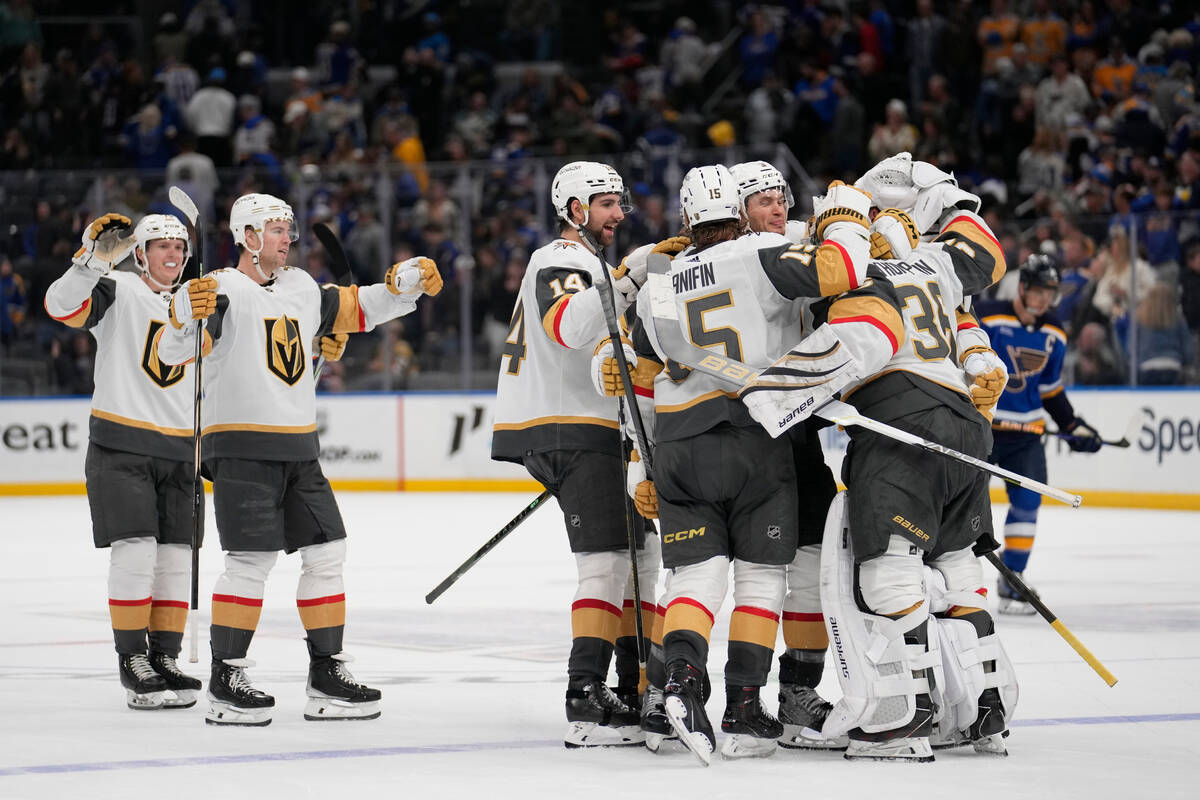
<point>182,689</point>
<point>333,693</point>
<point>685,709</point>
<point>232,700</point>
<point>909,742</point>
<point>802,712</point>
<point>660,736</point>
<point>1011,601</point>
<point>989,729</point>
<point>597,718</point>
<point>144,688</point>
<point>753,731</point>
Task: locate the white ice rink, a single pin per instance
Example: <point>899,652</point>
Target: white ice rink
<point>473,685</point>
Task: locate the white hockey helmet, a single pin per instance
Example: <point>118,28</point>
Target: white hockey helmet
<point>709,194</point>
<point>160,226</point>
<point>583,180</point>
<point>758,176</point>
<point>255,210</point>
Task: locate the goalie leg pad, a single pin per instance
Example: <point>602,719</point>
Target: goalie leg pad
<point>881,661</point>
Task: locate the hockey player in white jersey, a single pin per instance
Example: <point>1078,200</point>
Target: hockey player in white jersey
<point>727,495</point>
<point>549,419</point>
<point>140,445</point>
<point>766,199</point>
<point>261,449</point>
<point>907,509</point>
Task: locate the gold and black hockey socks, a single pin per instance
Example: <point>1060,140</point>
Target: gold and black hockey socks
<point>324,620</point>
<point>234,620</point>
<point>594,627</point>
<point>130,619</point>
<point>752,633</point>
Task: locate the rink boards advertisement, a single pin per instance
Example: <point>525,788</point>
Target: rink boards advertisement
<point>442,442</point>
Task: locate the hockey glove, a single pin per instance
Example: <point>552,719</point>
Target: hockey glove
<point>796,232</point>
<point>890,182</point>
<point>606,374</point>
<point>1081,437</point>
<point>333,345</point>
<point>842,206</point>
<point>418,274</point>
<point>893,234</point>
<point>106,242</point>
<point>196,299</point>
<point>989,376</point>
<point>645,498</point>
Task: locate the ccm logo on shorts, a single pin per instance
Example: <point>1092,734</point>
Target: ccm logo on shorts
<point>680,536</point>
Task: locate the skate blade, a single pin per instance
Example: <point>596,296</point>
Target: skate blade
<point>664,743</point>
<point>991,746</point>
<point>180,698</point>
<point>148,701</point>
<point>695,741</point>
<point>582,735</point>
<point>320,709</point>
<point>225,714</point>
<point>741,745</point>
<point>911,750</point>
<point>799,737</point>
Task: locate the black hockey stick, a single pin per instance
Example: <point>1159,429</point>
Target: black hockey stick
<point>1136,422</point>
<point>670,338</point>
<point>608,303</point>
<point>339,265</point>
<point>179,198</point>
<point>1031,597</point>
<point>487,546</point>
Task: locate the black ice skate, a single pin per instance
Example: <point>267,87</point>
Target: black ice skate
<point>333,693</point>
<point>182,689</point>
<point>232,700</point>
<point>753,730</point>
<point>655,723</point>
<point>1011,601</point>
<point>988,731</point>
<point>803,712</point>
<point>144,688</point>
<point>909,742</point>
<point>596,717</point>
<point>685,709</point>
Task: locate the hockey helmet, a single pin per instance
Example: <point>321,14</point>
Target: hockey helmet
<point>890,183</point>
<point>583,180</point>
<point>758,176</point>
<point>1040,270</point>
<point>159,226</point>
<point>709,194</point>
<point>255,211</point>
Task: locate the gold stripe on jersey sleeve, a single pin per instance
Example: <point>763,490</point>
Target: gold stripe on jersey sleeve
<point>970,230</point>
<point>349,313</point>
<point>77,319</point>
<point>834,275</point>
<point>555,420</point>
<point>550,318</point>
<point>129,422</point>
<point>694,402</point>
<point>873,310</point>
<point>250,427</point>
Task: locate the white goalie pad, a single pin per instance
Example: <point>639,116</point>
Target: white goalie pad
<point>962,678</point>
<point>874,665</point>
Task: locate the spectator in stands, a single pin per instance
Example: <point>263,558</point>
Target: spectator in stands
<point>1093,359</point>
<point>170,40</point>
<point>895,135</point>
<point>210,115</point>
<point>1060,94</point>
<point>256,133</point>
<point>1114,296</point>
<point>338,60</point>
<point>1041,167</point>
<point>1112,79</point>
<point>12,301</point>
<point>366,245</point>
<point>997,32</point>
<point>73,363</point>
<point>195,173</point>
<point>926,47</point>
<point>683,58</point>
<point>757,48</point>
<point>148,139</point>
<point>1189,283</point>
<point>1044,33</point>
<point>1164,343</point>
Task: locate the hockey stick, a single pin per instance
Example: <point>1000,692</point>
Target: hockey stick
<point>1135,423</point>
<point>1031,597</point>
<point>179,198</point>
<point>670,338</point>
<point>607,302</point>
<point>339,265</point>
<point>487,546</point>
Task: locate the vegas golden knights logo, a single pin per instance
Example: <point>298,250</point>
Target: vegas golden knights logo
<point>163,375</point>
<point>285,350</point>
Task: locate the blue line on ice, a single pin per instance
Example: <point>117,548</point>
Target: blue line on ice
<point>307,755</point>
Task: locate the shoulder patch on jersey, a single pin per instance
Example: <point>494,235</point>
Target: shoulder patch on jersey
<point>563,244</point>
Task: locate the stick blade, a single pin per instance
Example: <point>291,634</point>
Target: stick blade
<point>339,265</point>
<point>179,198</point>
<point>1139,418</point>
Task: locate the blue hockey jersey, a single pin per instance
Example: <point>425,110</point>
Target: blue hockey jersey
<point>1034,357</point>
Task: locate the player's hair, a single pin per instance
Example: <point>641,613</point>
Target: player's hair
<point>706,234</point>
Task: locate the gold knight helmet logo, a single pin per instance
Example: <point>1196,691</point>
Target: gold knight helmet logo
<point>163,375</point>
<point>285,349</point>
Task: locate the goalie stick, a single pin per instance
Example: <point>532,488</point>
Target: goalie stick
<point>670,337</point>
<point>339,265</point>
<point>179,198</point>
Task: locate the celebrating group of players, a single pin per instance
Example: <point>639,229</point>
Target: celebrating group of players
<point>755,323</point>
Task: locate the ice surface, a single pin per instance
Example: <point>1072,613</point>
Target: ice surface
<point>473,685</point>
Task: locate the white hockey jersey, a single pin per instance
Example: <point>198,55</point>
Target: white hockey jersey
<point>259,397</point>
<point>141,404</point>
<point>544,396</point>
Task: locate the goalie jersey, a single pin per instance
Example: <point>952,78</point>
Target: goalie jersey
<point>544,396</point>
<point>141,404</point>
<point>963,260</point>
<point>259,397</point>
<point>743,299</point>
